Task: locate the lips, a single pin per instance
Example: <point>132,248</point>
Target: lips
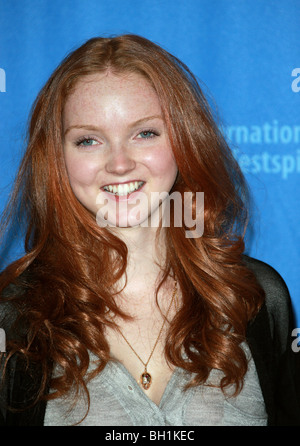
<point>123,189</point>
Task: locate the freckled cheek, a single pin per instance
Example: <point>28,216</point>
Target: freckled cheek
<point>82,171</point>
<point>161,162</point>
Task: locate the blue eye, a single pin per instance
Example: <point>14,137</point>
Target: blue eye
<point>86,142</point>
<point>146,134</point>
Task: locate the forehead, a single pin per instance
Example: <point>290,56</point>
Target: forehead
<point>127,95</point>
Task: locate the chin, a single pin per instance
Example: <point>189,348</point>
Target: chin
<point>132,220</point>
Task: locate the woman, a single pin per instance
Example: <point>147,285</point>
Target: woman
<point>110,318</point>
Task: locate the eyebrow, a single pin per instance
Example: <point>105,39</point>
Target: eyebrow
<point>94,128</point>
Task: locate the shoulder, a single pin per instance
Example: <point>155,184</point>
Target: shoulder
<point>277,296</point>
<point>270,280</point>
<point>274,286</point>
<point>10,307</point>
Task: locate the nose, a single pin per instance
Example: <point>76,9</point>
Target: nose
<point>119,162</point>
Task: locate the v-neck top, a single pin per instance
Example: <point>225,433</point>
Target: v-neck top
<point>116,399</point>
<point>112,403</point>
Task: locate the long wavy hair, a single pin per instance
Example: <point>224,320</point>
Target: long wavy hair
<point>71,264</point>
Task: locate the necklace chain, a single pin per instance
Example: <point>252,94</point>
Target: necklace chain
<point>146,378</point>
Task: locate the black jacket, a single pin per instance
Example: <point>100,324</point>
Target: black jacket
<point>269,337</point>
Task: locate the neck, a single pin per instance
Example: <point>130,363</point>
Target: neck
<point>146,257</point>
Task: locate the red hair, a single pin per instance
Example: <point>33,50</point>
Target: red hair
<point>69,268</point>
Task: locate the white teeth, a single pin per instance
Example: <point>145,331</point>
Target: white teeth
<point>123,189</point>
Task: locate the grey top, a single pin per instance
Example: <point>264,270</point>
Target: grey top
<point>117,400</point>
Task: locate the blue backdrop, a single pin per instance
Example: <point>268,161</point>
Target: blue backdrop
<point>247,53</point>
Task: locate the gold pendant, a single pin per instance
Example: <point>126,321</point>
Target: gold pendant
<point>146,380</point>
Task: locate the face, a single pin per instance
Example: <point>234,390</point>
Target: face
<point>117,151</point>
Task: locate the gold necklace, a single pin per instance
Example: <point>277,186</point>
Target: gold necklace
<point>146,378</point>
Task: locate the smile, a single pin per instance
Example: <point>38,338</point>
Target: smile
<point>123,189</point>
